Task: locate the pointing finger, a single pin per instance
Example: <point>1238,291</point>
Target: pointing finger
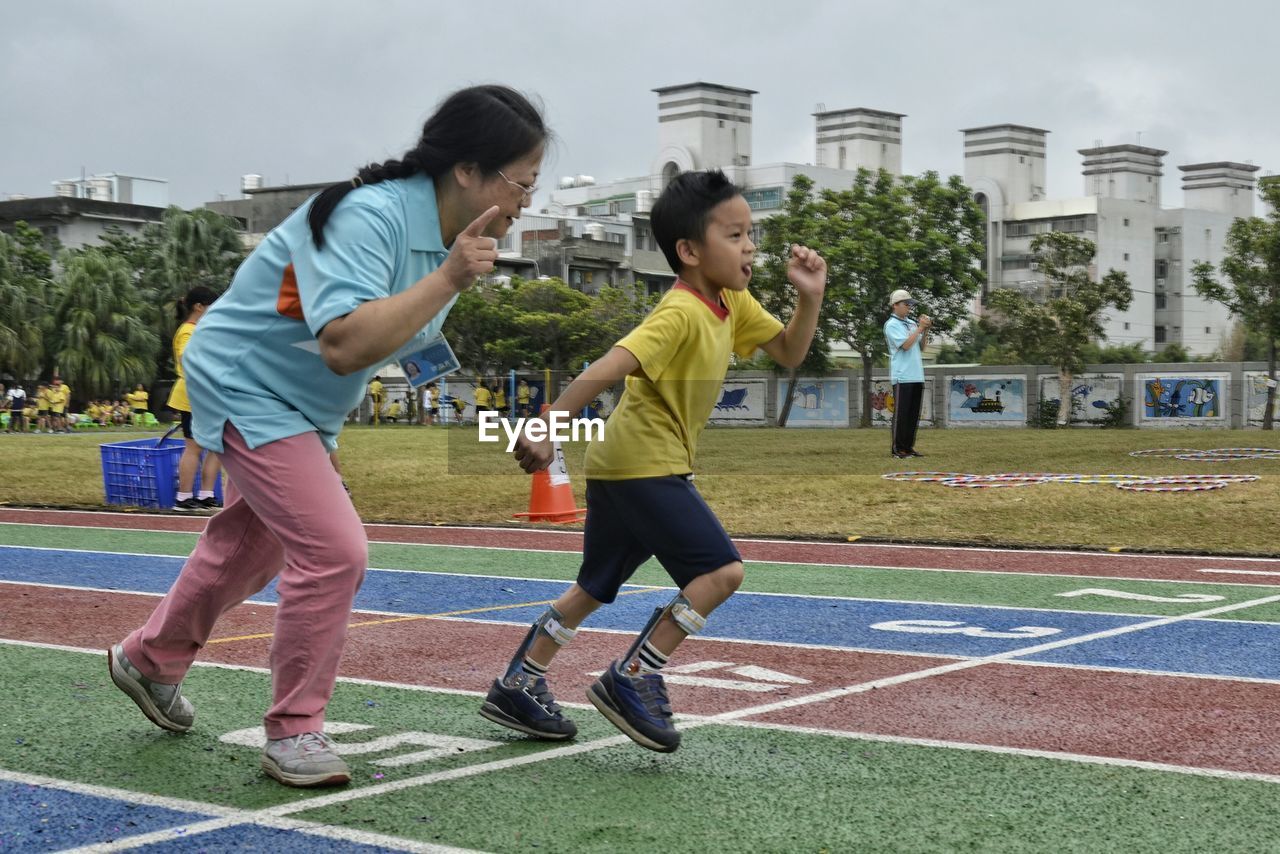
<point>476,229</point>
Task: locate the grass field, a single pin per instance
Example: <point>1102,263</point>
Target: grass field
<point>770,482</point>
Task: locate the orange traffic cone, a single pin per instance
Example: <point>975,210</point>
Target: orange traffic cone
<point>551,497</point>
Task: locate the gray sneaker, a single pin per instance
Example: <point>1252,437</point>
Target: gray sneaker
<point>163,704</point>
<point>305,760</point>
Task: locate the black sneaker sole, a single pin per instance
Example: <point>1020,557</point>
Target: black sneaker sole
<point>491,712</point>
<point>600,699</point>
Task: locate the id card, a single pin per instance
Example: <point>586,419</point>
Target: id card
<point>432,362</point>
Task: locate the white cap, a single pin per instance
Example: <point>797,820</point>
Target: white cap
<point>898,296</point>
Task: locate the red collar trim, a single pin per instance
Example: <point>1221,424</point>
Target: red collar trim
<point>718,309</point>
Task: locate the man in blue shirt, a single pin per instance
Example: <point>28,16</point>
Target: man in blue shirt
<point>906,340</point>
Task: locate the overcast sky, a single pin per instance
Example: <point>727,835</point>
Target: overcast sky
<point>201,92</point>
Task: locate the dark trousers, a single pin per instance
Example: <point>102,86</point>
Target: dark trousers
<point>906,416</point>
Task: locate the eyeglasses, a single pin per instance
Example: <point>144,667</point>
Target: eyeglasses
<point>527,189</point>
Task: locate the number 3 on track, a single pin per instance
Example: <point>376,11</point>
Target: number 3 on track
<point>951,627</point>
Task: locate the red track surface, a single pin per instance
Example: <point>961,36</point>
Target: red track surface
<point>1156,568</point>
<point>1211,723</point>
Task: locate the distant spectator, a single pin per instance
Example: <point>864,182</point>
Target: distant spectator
<point>195,303</point>
<point>375,399</point>
<point>138,399</point>
<point>432,408</point>
<point>59,400</point>
<point>484,399</point>
<point>42,408</point>
<point>523,399</point>
<point>16,398</point>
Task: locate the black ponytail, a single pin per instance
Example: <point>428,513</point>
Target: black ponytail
<point>199,295</point>
<point>486,125</point>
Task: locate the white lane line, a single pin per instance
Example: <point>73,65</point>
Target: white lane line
<point>731,717</point>
<point>554,533</point>
<point>565,581</point>
<point>887,567</point>
<point>1001,657</point>
<point>223,817</point>
<point>1239,571</point>
<point>1190,770</point>
<point>821,696</point>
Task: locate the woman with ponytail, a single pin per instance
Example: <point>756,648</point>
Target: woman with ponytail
<point>363,274</point>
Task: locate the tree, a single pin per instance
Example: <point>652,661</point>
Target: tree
<point>25,277</point>
<point>794,225</point>
<point>886,233</point>
<point>1059,330</point>
<point>541,323</point>
<point>978,341</point>
<point>197,248</point>
<point>100,339</point>
<point>543,326</point>
<point>1252,265</point>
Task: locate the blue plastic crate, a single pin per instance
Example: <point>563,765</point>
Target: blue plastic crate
<point>140,473</point>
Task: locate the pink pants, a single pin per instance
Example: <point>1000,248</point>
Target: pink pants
<point>286,515</point>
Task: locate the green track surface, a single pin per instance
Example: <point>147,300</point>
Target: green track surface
<point>727,789</point>
<point>961,588</point>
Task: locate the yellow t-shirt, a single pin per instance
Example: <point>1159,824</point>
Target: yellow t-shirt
<point>42,400</point>
<point>500,399</point>
<point>375,390</point>
<point>482,396</point>
<point>683,347</point>
<point>59,397</point>
<point>178,397</point>
<point>522,394</point>
<point>137,399</point>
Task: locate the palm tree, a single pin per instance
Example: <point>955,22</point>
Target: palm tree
<point>101,339</point>
<point>24,284</point>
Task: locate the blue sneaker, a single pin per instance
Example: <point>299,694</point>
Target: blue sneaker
<point>638,706</point>
<point>525,704</point>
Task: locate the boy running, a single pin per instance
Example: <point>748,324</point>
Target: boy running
<point>641,500</point>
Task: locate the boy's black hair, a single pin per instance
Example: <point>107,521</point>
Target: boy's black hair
<point>682,211</point>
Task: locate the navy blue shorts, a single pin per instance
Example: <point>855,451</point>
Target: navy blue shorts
<point>630,521</point>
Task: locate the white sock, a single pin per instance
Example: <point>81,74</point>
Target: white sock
<point>183,496</point>
<point>204,493</point>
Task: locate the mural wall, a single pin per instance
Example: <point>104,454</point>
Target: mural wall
<point>817,402</point>
<point>882,403</point>
<point>1182,399</point>
<point>1091,394</point>
<point>741,402</point>
<point>987,401</point>
<point>1255,399</point>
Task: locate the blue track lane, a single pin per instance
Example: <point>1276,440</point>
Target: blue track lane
<point>36,818</point>
<point>1206,647</point>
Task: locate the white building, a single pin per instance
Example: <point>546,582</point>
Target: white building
<point>705,125</point>
<point>708,126</point>
<point>1120,212</point>
<point>114,187</point>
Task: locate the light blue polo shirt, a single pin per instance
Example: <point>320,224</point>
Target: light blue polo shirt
<point>254,359</point>
<point>906,366</point>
